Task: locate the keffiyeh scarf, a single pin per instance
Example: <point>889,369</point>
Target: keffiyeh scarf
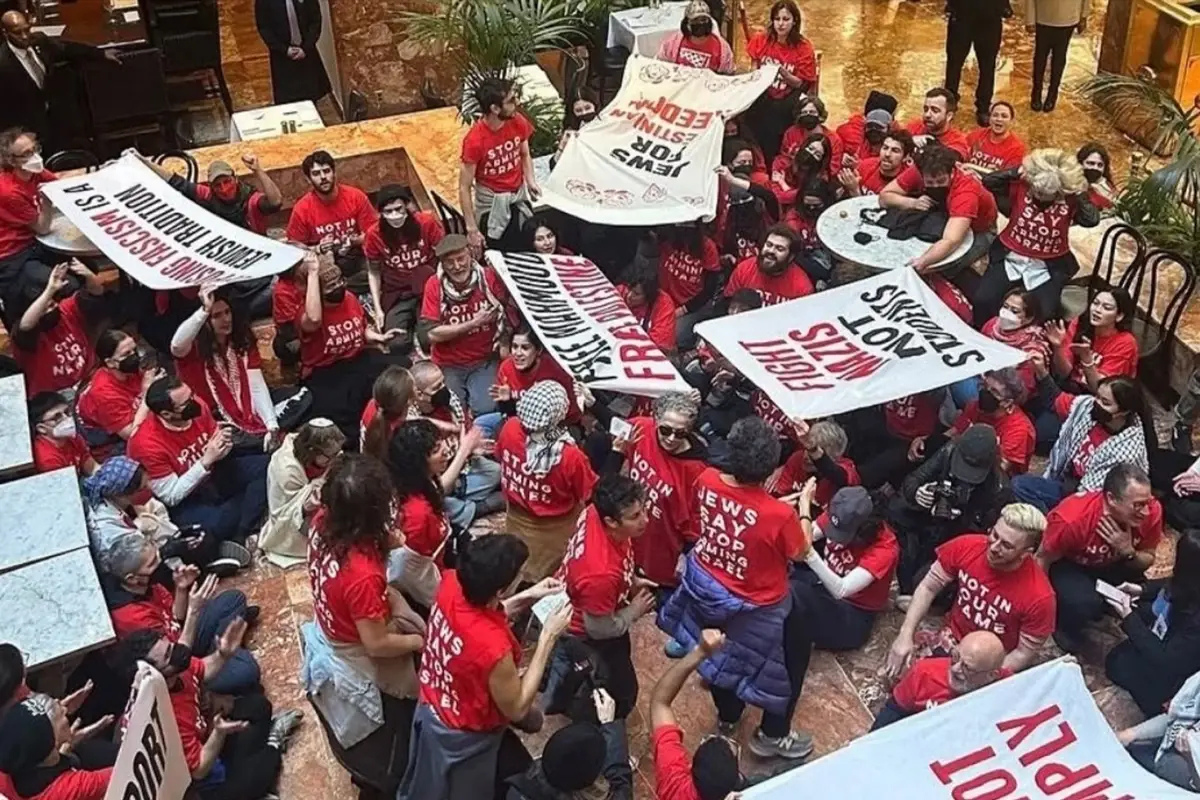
<point>541,411</point>
<point>453,295</point>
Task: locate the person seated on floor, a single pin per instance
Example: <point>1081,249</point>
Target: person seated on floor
<point>811,254</point>
<point>773,272</point>
<point>995,147</point>
<point>463,316</point>
<point>937,184</point>
<point>462,745</point>
<point>570,764</point>
<point>1097,168</point>
<point>1162,620</point>
<point>26,215</point>
<point>542,237</point>
<point>50,342</point>
<point>334,217</point>
<point>287,301</point>
<point>883,443</point>
<point>853,131</point>
<point>1160,744</point>
<point>1000,588</point>
<point>545,477</point>
<point>740,585</point>
<point>13,684</point>
<point>689,273</point>
<point>653,308</point>
<point>1098,431</point>
<point>295,476</point>
<point>238,753</point>
<point>388,409</point>
<point>998,403</point>
<point>973,663</point>
<point>45,757</point>
<point>960,488</point>
<point>1019,324</point>
<point>808,125</point>
<point>751,209</point>
<point>400,259</point>
<point>192,470</point>
<point>194,616</point>
<point>216,354</point>
<point>1109,535</point>
<point>528,364</point>
<point>936,124</point>
<point>56,444</point>
<point>226,196</point>
<point>810,161</point>
<point>822,456</point>
<point>1176,479</point>
<point>1098,345</point>
<point>110,402</point>
<point>1046,196</point>
<point>872,175</point>
<point>698,42</point>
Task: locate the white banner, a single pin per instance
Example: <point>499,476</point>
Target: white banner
<point>858,345</point>
<point>150,764</point>
<point>1035,735</point>
<point>158,236</point>
<point>585,325</point>
<point>649,158</point>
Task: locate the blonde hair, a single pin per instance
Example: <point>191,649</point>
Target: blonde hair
<point>1051,173</point>
<point>1025,518</point>
<point>828,436</point>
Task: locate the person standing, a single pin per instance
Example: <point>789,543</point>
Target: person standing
<point>290,29</point>
<point>978,24</point>
<point>334,216</point>
<point>1052,22</point>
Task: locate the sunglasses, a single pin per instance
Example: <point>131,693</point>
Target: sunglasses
<point>667,432</point>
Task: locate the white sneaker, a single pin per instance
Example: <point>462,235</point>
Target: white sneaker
<point>903,601</point>
<point>797,744</point>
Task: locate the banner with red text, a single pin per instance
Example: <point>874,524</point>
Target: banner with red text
<point>1035,735</point>
<point>585,325</point>
<point>158,236</point>
<point>858,345</point>
<point>150,764</point>
<point>649,158</point>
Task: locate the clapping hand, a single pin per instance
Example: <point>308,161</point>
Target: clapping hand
<point>1056,332</point>
<point>81,733</point>
<point>229,726</point>
<point>185,577</point>
<point>201,593</point>
<point>1040,368</point>
<point>1083,350</point>
<point>916,449</point>
<point>231,639</point>
<point>500,393</point>
<point>74,701</point>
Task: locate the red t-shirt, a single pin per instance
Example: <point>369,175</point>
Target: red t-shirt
<point>1097,436</point>
<point>956,140</point>
<point>912,416</point>
<point>992,155</point>
<point>51,454</point>
<point>795,472</point>
<point>1114,354</point>
<point>794,138</point>
<point>1037,232</point>
<point>212,388</point>
<point>879,558</point>
<point>925,685</point>
<point>20,203</point>
<point>496,154</point>
<point>287,300</point>
<point>350,213</point>
<point>471,348</point>
<point>156,611</point>
<point>346,590</point>
<point>598,571</point>
<point>658,321</point>
<point>424,527</point>
<point>799,59</point>
<point>110,400</point>
<point>772,414</point>
<point>185,702</point>
<point>368,416</point>
<point>1014,431</point>
<point>1005,603</point>
<point>453,676</point>
<point>341,337</point>
<point>565,486</point>
<point>793,283</point>
<point>703,53</point>
<point>804,227</point>
<point>672,765</point>
<point>404,270</point>
<point>544,369</point>
<point>967,197</point>
<point>870,178</point>
<point>60,356</point>
<point>681,274</point>
<point>1071,530</point>
<point>255,219</point>
<point>952,296</point>
<point>164,451</point>
<point>747,538</point>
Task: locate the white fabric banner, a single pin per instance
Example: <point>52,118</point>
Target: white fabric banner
<point>585,325</point>
<point>649,158</point>
<point>858,345</point>
<point>150,764</point>
<point>158,236</point>
<point>1035,735</point>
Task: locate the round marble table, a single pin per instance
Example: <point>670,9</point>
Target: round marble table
<point>838,224</point>
<point>65,238</point>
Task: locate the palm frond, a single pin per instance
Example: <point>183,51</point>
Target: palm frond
<point>1145,110</point>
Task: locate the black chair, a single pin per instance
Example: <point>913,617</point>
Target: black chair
<point>1078,293</point>
<point>453,220</point>
<point>188,33</point>
<point>430,97</point>
<point>1165,275</point>
<point>65,160</point>
<point>129,106</point>
<point>191,170</point>
<point>356,106</point>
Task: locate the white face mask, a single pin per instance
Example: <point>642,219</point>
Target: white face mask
<point>1008,320</point>
<point>395,219</point>
<point>65,429</point>
<point>34,164</point>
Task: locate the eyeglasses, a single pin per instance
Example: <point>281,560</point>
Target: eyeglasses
<point>667,432</point>
<point>54,419</point>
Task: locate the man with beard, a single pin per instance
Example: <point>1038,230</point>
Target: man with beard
<point>973,663</point>
<point>334,215</point>
<point>400,258</point>
<point>773,272</point>
<point>873,174</point>
<point>935,123</point>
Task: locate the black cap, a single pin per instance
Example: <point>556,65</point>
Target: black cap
<point>974,454</point>
<point>848,510</point>
<point>877,99</point>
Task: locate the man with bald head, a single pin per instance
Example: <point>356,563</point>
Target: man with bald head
<point>972,664</point>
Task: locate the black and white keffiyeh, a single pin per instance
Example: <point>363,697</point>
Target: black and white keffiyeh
<point>541,410</point>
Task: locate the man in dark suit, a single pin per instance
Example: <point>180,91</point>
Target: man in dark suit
<point>27,64</point>
<point>290,29</point>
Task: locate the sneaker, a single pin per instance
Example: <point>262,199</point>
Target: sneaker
<point>283,725</point>
<point>1068,642</point>
<point>223,567</point>
<point>1181,438</point>
<point>251,614</point>
<point>675,649</point>
<point>903,601</point>
<point>233,550</point>
<point>797,744</point>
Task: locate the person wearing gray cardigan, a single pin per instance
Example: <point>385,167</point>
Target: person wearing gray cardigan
<point>1052,23</point>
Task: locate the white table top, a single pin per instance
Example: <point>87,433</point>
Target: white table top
<point>54,609</point>
<point>643,29</point>
<point>65,237</point>
<point>16,448</point>
<point>43,517</point>
<point>838,224</point>
<point>266,123</point>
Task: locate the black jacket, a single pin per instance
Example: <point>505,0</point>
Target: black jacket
<point>980,512</point>
<point>25,103</point>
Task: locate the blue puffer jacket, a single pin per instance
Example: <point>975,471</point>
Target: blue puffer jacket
<point>751,662</point>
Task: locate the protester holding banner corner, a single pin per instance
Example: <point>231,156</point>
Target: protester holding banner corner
<point>24,215</point>
<point>334,217</point>
<point>821,456</point>
<point>698,43</point>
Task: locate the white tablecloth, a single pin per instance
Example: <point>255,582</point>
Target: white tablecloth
<point>266,123</point>
<point>642,30</point>
<point>837,226</point>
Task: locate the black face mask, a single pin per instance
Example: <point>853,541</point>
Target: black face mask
<point>1092,174</point>
<point>875,136</point>
<point>743,170</point>
<point>586,118</point>
<point>808,121</point>
<point>129,364</point>
<point>701,27</point>
<point>49,320</point>
<point>441,398</point>
<point>806,159</point>
<point>335,296</point>
<point>1101,415</point>
<point>812,212</point>
<point>988,402</point>
<point>190,410</point>
<point>1042,205</point>
<point>180,658</point>
<point>938,194</point>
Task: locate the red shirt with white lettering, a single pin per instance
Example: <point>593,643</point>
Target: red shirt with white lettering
<point>799,59</point>
<point>424,527</point>
<point>544,369</point>
<point>346,589</point>
<point>870,176</point>
<point>496,154</point>
<point>110,400</point>
<point>658,321</point>
<point>20,203</point>
<point>60,356</point>
<point>967,197</point>
<point>349,213</point>
<point>805,228</point>
<point>340,337</point>
<point>155,611</point>
<point>773,415</point>
<point>952,296</point>
<point>672,765</point>
<point>1115,353</point>
<point>598,571</point>
<point>287,300</point>
<point>792,283</point>
<point>681,274</point>
<point>1035,231</point>
<point>747,538</point>
<point>955,139</point>
<point>795,472</point>
<point>564,487</point>
<point>1014,430</point>
<point>1097,436</point>
<point>403,269</point>
<point>1006,603</point>
<point>51,454</point>
<point>925,685</point>
<point>165,451</point>
<point>913,415</point>
<point>878,557</point>
<point>185,703</point>
<point>1071,530</point>
<point>454,676</point>
<point>471,348</point>
<point>993,155</point>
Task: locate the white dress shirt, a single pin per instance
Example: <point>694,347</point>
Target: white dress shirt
<point>32,63</point>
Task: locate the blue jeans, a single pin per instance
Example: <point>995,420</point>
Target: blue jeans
<point>490,423</point>
<point>964,391</point>
<point>471,383</point>
<point>1043,493</point>
<point>232,502</point>
<point>480,479</point>
<point>240,673</point>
